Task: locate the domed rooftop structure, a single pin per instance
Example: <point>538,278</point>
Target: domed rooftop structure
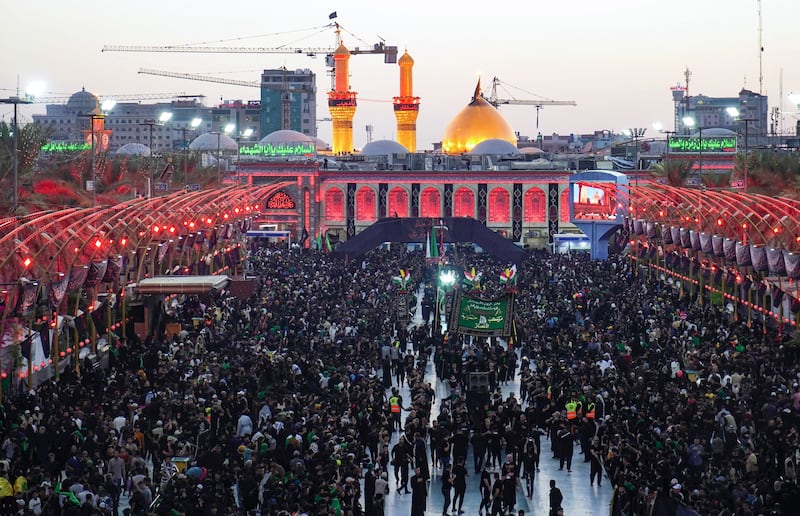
<point>83,103</point>
<point>477,122</point>
<point>321,145</point>
<point>531,151</point>
<point>213,142</point>
<point>405,59</point>
<point>383,148</point>
<point>287,137</point>
<point>495,146</point>
<point>288,143</point>
<point>134,149</point>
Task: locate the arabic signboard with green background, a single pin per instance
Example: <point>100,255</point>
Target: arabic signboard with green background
<point>482,317</point>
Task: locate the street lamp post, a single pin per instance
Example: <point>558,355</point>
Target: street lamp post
<point>746,149</point>
<point>733,112</point>
<point>245,135</point>
<point>16,100</point>
<point>150,124</point>
<point>689,123</point>
<point>195,123</point>
<point>635,133</point>
<point>227,130</point>
<point>700,168</point>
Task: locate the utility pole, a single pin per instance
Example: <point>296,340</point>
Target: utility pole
<point>16,100</point>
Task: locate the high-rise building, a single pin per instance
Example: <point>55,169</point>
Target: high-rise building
<point>289,101</point>
<point>713,112</point>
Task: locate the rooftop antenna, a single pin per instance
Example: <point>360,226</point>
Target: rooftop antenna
<point>760,52</point>
<point>781,127</point>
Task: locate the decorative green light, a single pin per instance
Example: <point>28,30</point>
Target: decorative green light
<point>284,149</point>
<point>65,147</point>
<point>709,144</point>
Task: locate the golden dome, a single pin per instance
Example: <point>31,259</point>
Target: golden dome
<point>342,51</point>
<point>405,59</point>
<point>477,122</point>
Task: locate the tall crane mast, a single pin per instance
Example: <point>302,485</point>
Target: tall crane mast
<point>538,103</point>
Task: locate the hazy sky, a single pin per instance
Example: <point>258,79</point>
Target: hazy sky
<point>617,59</point>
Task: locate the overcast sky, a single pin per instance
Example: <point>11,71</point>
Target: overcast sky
<point>617,59</point>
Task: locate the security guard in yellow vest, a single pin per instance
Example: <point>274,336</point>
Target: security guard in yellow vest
<point>395,407</point>
<point>573,407</point>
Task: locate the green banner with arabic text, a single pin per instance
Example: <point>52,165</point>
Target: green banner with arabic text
<point>482,317</point>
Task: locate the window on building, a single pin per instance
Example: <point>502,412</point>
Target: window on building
<point>365,205</point>
<point>398,202</point>
<point>430,203</point>
<point>464,203</point>
<point>334,205</point>
<point>499,205</point>
<point>534,206</point>
<point>563,205</point>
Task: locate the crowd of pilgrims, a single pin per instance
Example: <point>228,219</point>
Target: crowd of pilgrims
<point>283,403</point>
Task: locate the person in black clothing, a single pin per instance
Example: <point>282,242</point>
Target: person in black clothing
<point>555,498</point>
<point>510,481</point>
<point>459,484</point>
<point>486,490</point>
<point>595,462</point>
<point>565,447</point>
<point>421,456</point>
<point>497,495</point>
<point>369,491</point>
<point>419,493</point>
<point>478,450</point>
<point>401,458</point>
<point>529,459</point>
<point>447,486</point>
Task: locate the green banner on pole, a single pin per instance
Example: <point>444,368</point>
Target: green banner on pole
<point>482,317</point>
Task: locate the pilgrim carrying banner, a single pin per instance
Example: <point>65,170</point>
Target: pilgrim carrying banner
<point>482,317</point>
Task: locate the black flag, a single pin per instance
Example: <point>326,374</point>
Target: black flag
<point>332,15</point>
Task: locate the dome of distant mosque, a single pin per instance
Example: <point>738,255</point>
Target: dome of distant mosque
<point>495,146</point>
<point>133,149</point>
<point>383,148</point>
<point>83,103</point>
<point>287,137</point>
<point>477,122</point>
<point>213,142</point>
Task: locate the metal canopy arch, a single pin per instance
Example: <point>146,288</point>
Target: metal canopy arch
<point>755,218</point>
<point>56,241</point>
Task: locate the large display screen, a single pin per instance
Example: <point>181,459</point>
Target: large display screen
<point>585,194</point>
<point>594,201</point>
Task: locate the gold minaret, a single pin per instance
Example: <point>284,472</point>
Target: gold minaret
<point>406,106</point>
<point>342,103</point>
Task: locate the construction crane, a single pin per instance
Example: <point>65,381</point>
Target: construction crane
<point>389,51</point>
<point>119,98</point>
<point>220,80</point>
<point>538,103</point>
<point>199,77</point>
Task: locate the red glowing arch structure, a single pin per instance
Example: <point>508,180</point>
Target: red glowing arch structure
<point>147,234</point>
<point>749,218</point>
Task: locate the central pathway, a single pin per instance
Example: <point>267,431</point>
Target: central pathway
<point>580,498</point>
